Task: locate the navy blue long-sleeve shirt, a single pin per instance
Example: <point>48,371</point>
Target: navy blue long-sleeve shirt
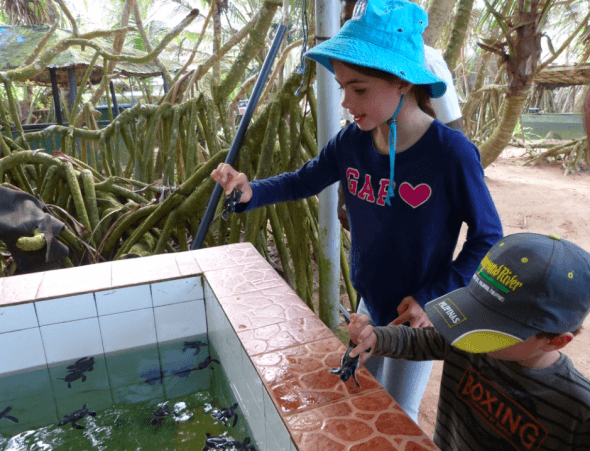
<point>405,249</point>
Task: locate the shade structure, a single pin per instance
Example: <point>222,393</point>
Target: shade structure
<point>18,42</point>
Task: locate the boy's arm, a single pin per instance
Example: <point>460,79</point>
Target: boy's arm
<point>410,343</point>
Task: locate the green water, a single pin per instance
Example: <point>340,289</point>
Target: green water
<point>128,427</point>
<point>124,391</point>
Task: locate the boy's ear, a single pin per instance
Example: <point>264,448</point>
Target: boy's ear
<point>560,341</point>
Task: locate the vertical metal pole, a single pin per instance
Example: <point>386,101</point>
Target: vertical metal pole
<point>166,88</point>
<point>114,97</point>
<point>328,94</point>
<point>55,91</point>
<point>73,89</point>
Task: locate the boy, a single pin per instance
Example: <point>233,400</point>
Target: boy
<point>505,385</point>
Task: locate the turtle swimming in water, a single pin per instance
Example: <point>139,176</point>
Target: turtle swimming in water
<point>205,363</point>
<point>4,414</point>
<point>77,370</point>
<point>72,376</point>
<point>348,367</point>
<point>244,446</point>
<point>83,364</point>
<point>196,345</point>
<point>224,415</point>
<point>76,416</point>
<point>218,441</point>
<point>160,413</point>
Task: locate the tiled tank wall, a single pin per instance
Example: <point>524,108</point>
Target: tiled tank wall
<point>276,352</point>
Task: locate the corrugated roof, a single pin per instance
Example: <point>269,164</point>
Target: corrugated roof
<point>18,42</point>
<point>560,76</point>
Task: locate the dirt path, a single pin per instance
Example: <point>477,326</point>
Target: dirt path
<point>537,199</point>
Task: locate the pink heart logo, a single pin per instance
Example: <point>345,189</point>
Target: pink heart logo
<point>414,197</point>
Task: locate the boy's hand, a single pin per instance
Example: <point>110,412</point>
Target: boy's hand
<point>356,326</point>
<point>365,340</point>
<point>229,179</point>
<point>410,311</point>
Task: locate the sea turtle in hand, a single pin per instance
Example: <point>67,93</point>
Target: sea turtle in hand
<point>76,416</point>
<point>196,345</point>
<point>348,367</point>
<point>205,363</point>
<point>218,441</point>
<point>4,414</point>
<point>160,413</point>
<point>224,415</point>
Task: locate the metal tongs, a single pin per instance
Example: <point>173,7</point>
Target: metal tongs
<point>230,202</point>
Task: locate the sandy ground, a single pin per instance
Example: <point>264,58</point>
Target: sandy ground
<point>540,199</point>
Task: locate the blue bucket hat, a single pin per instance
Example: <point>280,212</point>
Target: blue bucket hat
<point>384,35</point>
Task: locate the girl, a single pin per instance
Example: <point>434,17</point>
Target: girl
<point>410,181</point>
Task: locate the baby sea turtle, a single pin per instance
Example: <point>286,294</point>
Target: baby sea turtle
<point>83,364</point>
<point>196,345</point>
<point>348,367</point>
<point>230,202</point>
<point>72,376</point>
<point>244,446</point>
<point>4,414</point>
<point>224,415</point>
<point>76,416</point>
<point>205,363</point>
<point>160,413</point>
<point>218,441</point>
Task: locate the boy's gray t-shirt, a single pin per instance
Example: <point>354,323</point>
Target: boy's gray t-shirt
<point>489,404</point>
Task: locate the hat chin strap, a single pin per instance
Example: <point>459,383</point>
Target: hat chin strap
<point>392,142</point>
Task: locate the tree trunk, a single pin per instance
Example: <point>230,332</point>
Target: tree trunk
<point>495,144</point>
<point>438,16</point>
<point>457,39</point>
<point>217,42</point>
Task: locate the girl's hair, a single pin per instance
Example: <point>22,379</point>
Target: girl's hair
<point>420,91</point>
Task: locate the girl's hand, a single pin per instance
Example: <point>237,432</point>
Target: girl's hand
<point>229,179</point>
<point>366,341</point>
<point>410,311</point>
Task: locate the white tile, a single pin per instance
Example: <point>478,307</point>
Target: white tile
<point>177,321</point>
<point>128,330</point>
<point>17,317</point>
<point>71,308</point>
<point>21,350</point>
<point>71,340</point>
<point>255,418</point>
<point>274,423</point>
<point>180,290</point>
<point>123,299</point>
<point>253,380</point>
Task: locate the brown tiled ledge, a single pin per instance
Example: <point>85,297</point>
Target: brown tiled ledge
<point>293,352</point>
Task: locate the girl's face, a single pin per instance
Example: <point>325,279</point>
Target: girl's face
<point>370,100</point>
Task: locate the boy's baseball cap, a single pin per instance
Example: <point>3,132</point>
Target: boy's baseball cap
<point>385,35</point>
<point>526,284</point>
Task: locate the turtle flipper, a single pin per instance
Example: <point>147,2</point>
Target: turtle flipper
<point>77,426</point>
<point>356,381</point>
<point>14,419</point>
<point>235,419</point>
<point>336,371</point>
